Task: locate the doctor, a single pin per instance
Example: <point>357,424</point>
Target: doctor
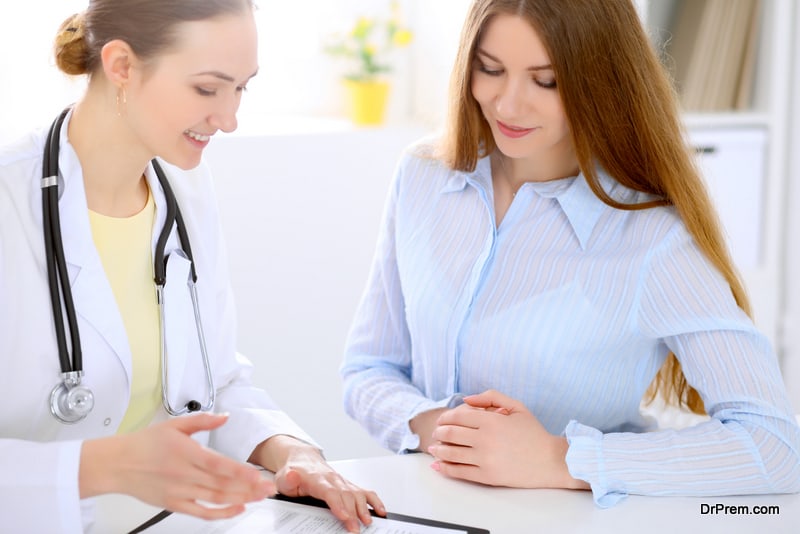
<point>164,76</point>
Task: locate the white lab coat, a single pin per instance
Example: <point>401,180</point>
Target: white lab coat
<point>39,456</point>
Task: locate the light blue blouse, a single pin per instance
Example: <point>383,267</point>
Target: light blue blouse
<point>571,307</point>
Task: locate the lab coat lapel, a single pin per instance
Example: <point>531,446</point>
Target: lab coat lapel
<point>91,291</point>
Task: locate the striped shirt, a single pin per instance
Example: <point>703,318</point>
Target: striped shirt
<point>571,307</point>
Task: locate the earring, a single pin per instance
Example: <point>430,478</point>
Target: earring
<point>123,100</point>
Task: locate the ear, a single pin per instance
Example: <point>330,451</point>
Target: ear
<point>118,58</point>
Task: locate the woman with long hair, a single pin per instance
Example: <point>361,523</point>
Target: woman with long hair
<point>553,259</point>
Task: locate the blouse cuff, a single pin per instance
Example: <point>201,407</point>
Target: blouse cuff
<point>410,441</point>
<point>585,462</point>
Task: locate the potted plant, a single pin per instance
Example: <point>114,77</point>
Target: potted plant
<point>367,47</point>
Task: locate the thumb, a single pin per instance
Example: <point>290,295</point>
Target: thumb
<point>491,400</point>
<point>200,422</point>
<point>288,481</point>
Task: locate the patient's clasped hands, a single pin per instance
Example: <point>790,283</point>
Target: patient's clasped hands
<point>495,440</point>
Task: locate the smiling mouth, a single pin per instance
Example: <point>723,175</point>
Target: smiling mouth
<point>513,128</point>
<point>513,131</point>
<point>196,136</point>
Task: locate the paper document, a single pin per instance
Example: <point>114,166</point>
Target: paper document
<point>282,517</point>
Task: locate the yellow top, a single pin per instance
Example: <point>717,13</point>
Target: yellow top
<point>125,250</point>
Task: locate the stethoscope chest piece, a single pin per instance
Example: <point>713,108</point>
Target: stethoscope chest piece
<point>71,402</point>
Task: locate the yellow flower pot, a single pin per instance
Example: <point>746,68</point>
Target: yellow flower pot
<point>367,101</point>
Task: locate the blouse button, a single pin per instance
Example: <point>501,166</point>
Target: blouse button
<point>107,421</point>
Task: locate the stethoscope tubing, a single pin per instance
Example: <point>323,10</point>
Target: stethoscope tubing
<point>54,256</point>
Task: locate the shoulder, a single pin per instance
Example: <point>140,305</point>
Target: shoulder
<point>22,156</point>
<point>656,225</point>
<point>20,178</point>
<point>420,161</point>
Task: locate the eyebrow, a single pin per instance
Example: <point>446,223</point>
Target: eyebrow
<point>482,52</point>
<point>222,75</point>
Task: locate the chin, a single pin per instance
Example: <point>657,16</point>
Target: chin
<point>185,163</point>
<point>514,152</point>
<point>188,166</point>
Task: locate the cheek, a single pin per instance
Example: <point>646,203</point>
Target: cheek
<point>558,106</point>
<point>480,90</point>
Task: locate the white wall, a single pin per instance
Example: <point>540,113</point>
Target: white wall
<point>301,215</point>
<point>33,91</point>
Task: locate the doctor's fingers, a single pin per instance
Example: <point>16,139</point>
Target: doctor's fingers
<point>209,496</point>
<point>350,504</point>
<point>226,480</point>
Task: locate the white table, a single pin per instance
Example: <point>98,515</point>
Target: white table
<point>409,486</point>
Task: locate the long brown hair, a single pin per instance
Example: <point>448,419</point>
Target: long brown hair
<point>624,117</point>
<point>148,26</point>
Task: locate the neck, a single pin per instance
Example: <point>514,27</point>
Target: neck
<point>519,171</point>
<point>112,160</point>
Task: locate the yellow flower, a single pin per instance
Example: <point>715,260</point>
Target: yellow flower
<point>369,43</point>
<point>402,37</point>
<point>362,27</point>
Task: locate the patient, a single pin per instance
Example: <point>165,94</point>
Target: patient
<point>551,260</point>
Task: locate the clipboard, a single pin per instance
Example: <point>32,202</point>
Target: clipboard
<point>310,501</point>
<point>390,515</point>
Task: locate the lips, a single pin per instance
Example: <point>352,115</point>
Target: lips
<point>514,132</point>
<point>197,137</point>
<point>198,140</point>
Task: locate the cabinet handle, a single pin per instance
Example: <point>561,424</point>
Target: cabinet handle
<point>705,149</point>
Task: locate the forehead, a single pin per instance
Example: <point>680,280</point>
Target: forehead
<point>228,43</point>
<point>510,37</point>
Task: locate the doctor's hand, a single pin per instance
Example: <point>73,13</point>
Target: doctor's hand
<point>163,466</point>
<point>301,471</point>
<point>495,440</point>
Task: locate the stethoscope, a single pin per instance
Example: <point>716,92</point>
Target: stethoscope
<point>70,401</point>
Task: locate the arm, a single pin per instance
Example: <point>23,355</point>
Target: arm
<point>37,476</point>
<point>162,466</point>
<point>751,444</point>
<point>377,366</point>
<point>159,465</point>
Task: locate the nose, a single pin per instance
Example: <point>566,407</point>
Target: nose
<point>224,118</point>
<point>511,99</point>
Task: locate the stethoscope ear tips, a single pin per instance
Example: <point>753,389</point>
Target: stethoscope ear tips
<point>193,406</point>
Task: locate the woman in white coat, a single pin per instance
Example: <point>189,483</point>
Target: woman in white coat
<point>164,76</point>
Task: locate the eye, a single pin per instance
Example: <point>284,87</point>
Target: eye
<point>204,92</point>
<point>546,84</point>
<point>488,70</point>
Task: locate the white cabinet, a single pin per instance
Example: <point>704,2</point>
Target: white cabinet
<point>791,279</point>
<point>749,179</point>
<point>732,161</point>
